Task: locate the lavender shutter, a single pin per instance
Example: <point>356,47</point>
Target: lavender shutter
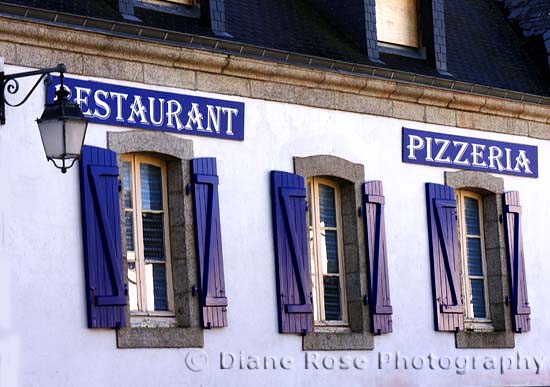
<point>208,241</point>
<point>292,263</point>
<point>443,237</point>
<point>516,264</point>
<point>105,291</point>
<point>375,240</point>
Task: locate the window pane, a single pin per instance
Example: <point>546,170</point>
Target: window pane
<point>151,187</point>
<point>153,237</point>
<point>330,264</point>
<point>155,274</point>
<point>129,220</point>
<point>332,298</point>
<point>478,298</point>
<point>127,183</point>
<point>471,213</point>
<point>397,22</point>
<point>327,206</point>
<point>475,266</point>
<point>132,286</point>
<point>159,286</point>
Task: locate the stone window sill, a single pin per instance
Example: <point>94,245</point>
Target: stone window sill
<point>338,341</point>
<point>487,340</point>
<point>160,337</point>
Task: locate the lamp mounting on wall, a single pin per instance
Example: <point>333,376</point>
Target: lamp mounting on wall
<point>62,125</point>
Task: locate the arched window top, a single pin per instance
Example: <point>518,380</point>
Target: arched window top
<point>480,182</point>
<point>327,165</point>
<point>148,141</point>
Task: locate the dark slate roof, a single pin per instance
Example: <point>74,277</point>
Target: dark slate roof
<point>482,45</point>
<point>533,16</point>
<point>289,25</point>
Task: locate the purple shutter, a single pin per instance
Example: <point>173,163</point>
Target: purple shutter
<point>375,240</point>
<point>445,264</point>
<point>516,264</point>
<point>292,262</point>
<point>105,291</point>
<point>208,239</point>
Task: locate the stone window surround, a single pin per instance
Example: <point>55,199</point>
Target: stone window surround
<point>186,332</point>
<point>491,189</point>
<point>350,176</point>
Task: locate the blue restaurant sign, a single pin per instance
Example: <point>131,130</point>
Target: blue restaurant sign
<point>445,150</point>
<point>133,107</point>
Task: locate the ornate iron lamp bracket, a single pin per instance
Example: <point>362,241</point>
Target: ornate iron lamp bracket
<point>10,84</point>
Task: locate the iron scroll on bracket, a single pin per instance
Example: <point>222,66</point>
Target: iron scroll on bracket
<point>10,84</point>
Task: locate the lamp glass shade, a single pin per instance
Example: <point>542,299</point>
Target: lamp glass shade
<point>51,132</point>
<point>62,128</point>
<point>75,130</point>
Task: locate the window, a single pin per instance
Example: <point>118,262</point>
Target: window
<point>475,250</point>
<point>162,311</point>
<point>473,256</point>
<point>143,233</point>
<point>150,288</point>
<point>397,22</point>
<point>332,288</point>
<point>326,252</point>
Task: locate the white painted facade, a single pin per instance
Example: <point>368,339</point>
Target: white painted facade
<point>44,340</point>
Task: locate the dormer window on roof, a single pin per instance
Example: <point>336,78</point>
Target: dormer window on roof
<point>397,22</point>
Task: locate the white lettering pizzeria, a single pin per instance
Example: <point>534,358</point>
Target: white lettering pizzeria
<point>469,153</point>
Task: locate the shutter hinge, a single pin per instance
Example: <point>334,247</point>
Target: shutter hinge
<point>188,189</point>
<point>119,185</point>
<point>194,290</point>
<point>365,299</point>
<point>500,218</point>
<point>307,206</point>
<point>359,211</point>
<point>507,300</point>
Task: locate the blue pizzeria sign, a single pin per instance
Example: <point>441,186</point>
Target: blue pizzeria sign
<point>445,150</point>
<point>133,107</point>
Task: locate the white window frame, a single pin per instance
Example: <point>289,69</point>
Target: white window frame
<point>316,264</point>
<point>471,322</point>
<point>135,159</point>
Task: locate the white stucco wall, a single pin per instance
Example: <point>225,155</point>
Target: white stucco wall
<point>44,340</point>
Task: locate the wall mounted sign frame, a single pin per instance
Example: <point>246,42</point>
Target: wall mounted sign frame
<point>110,104</point>
<point>477,154</point>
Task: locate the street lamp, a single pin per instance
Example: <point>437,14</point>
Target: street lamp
<point>62,125</point>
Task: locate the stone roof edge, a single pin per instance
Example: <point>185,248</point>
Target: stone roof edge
<point>97,54</point>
